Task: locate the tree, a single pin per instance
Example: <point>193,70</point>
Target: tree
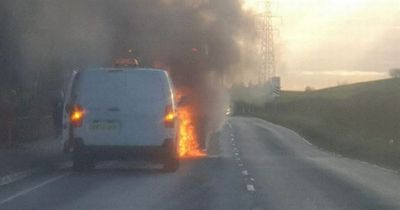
<point>309,89</point>
<point>394,73</point>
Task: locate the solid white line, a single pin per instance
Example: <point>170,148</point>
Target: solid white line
<point>213,156</point>
<point>384,169</point>
<point>15,177</point>
<point>26,191</point>
<point>65,165</point>
<point>305,140</point>
<point>250,188</point>
<point>245,172</point>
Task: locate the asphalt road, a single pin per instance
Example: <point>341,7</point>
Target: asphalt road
<point>252,164</point>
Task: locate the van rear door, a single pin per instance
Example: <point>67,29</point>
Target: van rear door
<point>101,94</point>
<point>148,95</point>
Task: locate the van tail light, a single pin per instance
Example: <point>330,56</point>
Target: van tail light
<point>169,118</point>
<point>76,115</point>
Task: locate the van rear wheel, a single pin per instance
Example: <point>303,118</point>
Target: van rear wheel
<point>171,164</point>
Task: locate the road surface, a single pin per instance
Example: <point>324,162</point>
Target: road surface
<point>252,164</point>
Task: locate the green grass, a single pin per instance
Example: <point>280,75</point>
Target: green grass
<point>360,120</point>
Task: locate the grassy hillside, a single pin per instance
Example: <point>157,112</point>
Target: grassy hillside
<point>345,91</point>
<point>360,120</point>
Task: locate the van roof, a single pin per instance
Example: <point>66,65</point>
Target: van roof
<point>123,69</point>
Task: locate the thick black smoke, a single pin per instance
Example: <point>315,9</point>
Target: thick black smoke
<point>45,35</point>
<point>42,40</point>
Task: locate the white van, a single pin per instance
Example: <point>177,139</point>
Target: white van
<point>121,113</point>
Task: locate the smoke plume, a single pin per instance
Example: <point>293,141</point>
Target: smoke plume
<point>198,41</point>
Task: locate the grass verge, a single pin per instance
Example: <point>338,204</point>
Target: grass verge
<point>360,121</point>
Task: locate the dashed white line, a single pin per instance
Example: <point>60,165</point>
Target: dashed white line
<point>245,172</point>
<point>240,164</point>
<point>250,188</point>
<point>252,179</point>
<point>26,191</point>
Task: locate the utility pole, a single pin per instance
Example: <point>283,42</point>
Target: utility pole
<point>267,57</point>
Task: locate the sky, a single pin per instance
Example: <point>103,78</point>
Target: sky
<point>322,43</point>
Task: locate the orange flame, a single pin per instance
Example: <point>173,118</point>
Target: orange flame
<point>188,144</point>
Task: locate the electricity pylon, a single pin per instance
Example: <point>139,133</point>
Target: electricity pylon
<point>267,57</point>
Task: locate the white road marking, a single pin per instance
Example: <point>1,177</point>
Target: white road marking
<point>252,179</point>
<point>245,172</point>
<point>250,188</point>
<point>213,156</point>
<point>232,139</point>
<point>384,169</point>
<point>8,179</point>
<point>65,165</point>
<point>240,165</point>
<point>237,154</point>
<point>305,140</point>
<point>26,191</point>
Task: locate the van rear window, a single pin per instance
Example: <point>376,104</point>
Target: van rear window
<point>105,88</point>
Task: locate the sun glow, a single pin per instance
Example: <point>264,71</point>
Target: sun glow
<point>328,36</point>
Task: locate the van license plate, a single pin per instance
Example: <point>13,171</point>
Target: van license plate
<point>99,125</point>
